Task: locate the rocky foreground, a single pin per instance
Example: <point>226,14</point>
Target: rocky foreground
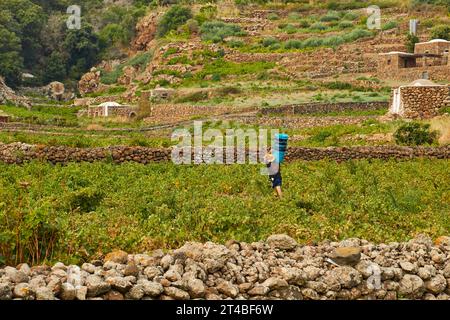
<point>277,268</point>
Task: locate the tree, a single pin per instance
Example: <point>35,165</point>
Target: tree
<point>172,19</point>
<point>411,41</point>
<point>56,68</point>
<point>11,62</point>
<point>82,47</point>
<point>26,20</point>
<point>441,32</point>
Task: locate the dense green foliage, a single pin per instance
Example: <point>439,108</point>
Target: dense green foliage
<point>217,31</point>
<point>415,134</point>
<point>75,212</point>
<point>174,18</point>
<point>441,32</point>
<point>35,37</point>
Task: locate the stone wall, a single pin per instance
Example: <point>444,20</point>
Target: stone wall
<point>300,122</point>
<point>310,108</point>
<point>170,113</point>
<point>276,269</point>
<point>435,73</point>
<point>18,153</point>
<point>423,102</point>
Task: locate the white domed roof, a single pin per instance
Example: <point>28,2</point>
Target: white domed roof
<point>109,104</point>
<point>423,83</point>
<point>438,40</point>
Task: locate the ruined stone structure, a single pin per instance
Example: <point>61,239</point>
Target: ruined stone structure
<point>429,60</point>
<point>420,99</point>
<point>111,109</point>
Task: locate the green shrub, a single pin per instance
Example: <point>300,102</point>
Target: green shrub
<point>293,16</point>
<point>415,134</point>
<point>350,16</point>
<point>217,31</point>
<point>318,26</point>
<point>293,44</point>
<point>268,42</point>
<point>290,29</point>
<point>273,16</point>
<point>345,24</point>
<point>330,16</point>
<point>174,18</point>
<point>180,60</point>
<point>411,41</point>
<point>441,32</point>
<point>235,43</point>
<point>304,23</point>
<point>333,41</point>
<point>390,25</point>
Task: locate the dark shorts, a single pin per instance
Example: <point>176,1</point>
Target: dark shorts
<point>276,180</point>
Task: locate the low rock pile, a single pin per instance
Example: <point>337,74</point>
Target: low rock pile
<point>7,95</point>
<point>277,268</point>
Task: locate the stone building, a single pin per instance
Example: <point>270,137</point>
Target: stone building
<point>429,60</point>
<point>162,93</point>
<point>420,99</point>
<point>111,109</point>
<point>4,117</point>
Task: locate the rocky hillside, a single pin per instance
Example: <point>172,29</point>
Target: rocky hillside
<point>259,48</point>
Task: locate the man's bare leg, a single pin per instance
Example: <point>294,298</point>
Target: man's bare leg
<point>279,192</point>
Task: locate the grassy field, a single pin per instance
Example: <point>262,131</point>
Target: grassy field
<point>79,211</point>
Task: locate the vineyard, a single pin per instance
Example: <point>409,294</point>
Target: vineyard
<point>78,212</point>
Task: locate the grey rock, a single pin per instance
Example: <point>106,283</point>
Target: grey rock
<point>408,267</point>
<point>88,267</point>
<point>23,290</point>
<point>228,289</point>
<point>259,290</point>
<point>347,276</point>
<point>15,275</point>
<point>282,242</point>
<point>152,272</point>
<point>275,283</point>
<point>436,285</point>
<point>196,288</point>
<point>5,291</point>
<point>412,286</point>
<point>136,292</point>
<point>68,292</point>
<point>120,284</point>
<point>152,289</point>
<point>166,261</point>
<point>346,255</point>
<point>96,286</point>
<point>176,293</point>
<point>44,293</point>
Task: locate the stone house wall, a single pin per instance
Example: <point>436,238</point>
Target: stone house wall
<point>423,102</point>
<point>113,112</point>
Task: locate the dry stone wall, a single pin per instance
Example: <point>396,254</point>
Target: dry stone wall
<point>276,269</point>
<point>18,153</point>
<point>311,108</point>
